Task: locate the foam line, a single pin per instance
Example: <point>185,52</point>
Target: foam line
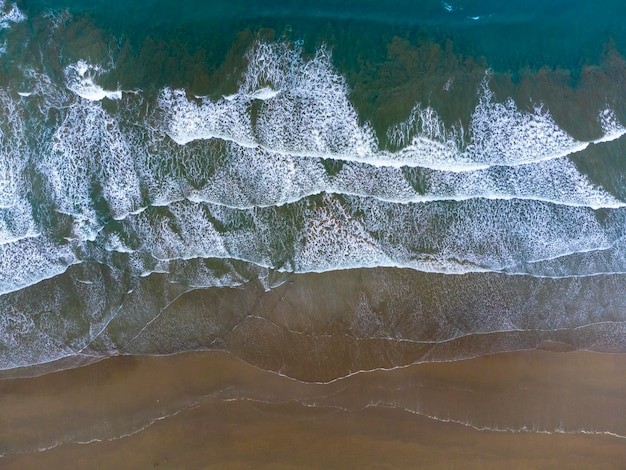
<point>332,232</point>
<point>304,111</point>
<point>246,177</point>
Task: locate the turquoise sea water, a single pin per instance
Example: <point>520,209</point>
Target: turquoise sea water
<point>530,32</point>
<point>171,171</point>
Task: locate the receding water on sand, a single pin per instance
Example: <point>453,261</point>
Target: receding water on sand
<point>212,410</point>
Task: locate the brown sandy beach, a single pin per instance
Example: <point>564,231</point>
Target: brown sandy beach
<point>525,409</point>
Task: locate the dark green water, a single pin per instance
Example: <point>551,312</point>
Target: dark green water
<point>534,33</point>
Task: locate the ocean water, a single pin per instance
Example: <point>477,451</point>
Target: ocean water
<point>318,189</point>
<point>119,183</point>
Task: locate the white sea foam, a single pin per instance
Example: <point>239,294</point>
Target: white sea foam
<point>80,79</point>
<point>499,135</point>
<point>557,181</point>
<point>305,111</point>
<point>503,135</point>
<point>332,238</point>
<point>39,85</point>
<point>312,114</point>
<point>251,177</point>
<point>331,232</point>
<point>603,259</point>
<point>515,206</point>
<point>87,148</point>
<point>254,177</point>
<point>227,118</point>
<point>16,218</point>
<point>480,233</point>
<point>16,223</point>
<point>611,127</point>
<point>10,15</point>
<point>183,231</point>
<point>263,94</point>
<point>28,261</point>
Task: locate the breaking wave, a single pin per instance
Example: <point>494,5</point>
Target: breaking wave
<point>283,175</point>
<point>279,177</point>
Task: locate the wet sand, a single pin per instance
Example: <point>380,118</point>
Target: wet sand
<point>525,409</point>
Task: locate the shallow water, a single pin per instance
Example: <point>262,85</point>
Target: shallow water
<point>204,410</point>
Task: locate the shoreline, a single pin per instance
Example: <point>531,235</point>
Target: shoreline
<point>210,408</point>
